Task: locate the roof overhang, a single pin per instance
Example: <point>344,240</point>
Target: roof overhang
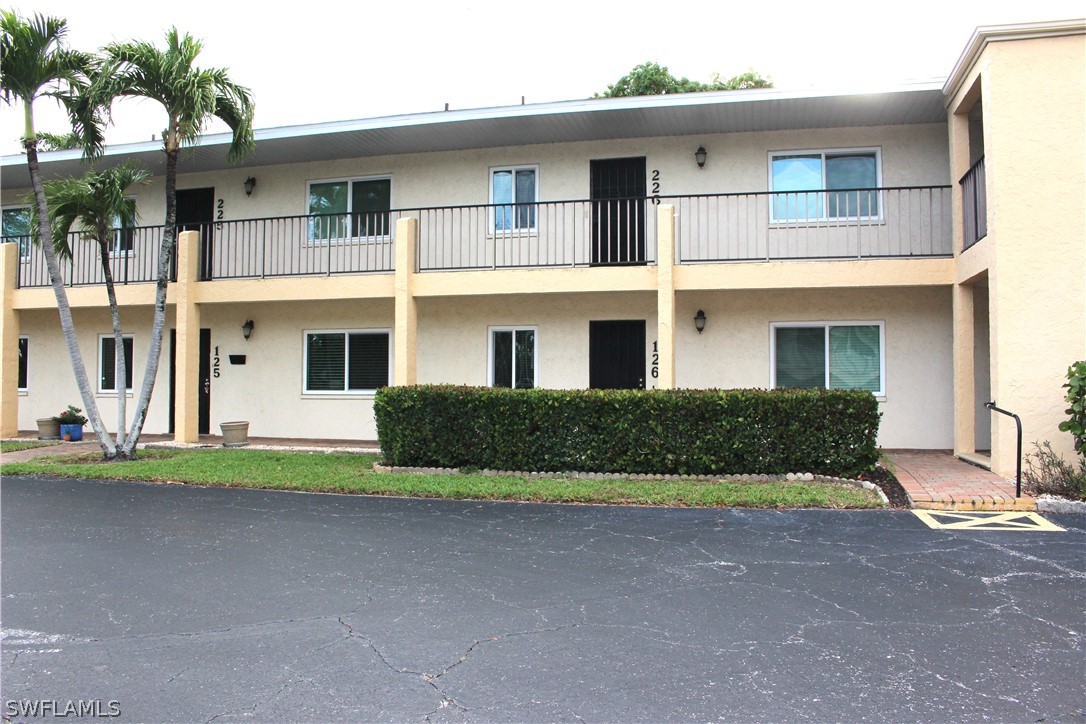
<point>997,33</point>
<point>565,121</point>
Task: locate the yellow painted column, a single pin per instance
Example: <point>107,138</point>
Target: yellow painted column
<point>964,392</point>
<point>9,342</point>
<point>187,313</point>
<point>665,295</point>
<point>405,334</point>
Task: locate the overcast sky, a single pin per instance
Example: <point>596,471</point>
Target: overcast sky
<point>321,61</point>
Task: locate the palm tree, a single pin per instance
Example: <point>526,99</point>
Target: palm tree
<point>35,63</point>
<point>97,202</point>
<point>191,97</point>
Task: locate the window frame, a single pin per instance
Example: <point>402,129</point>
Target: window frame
<point>117,250</point>
<point>827,325</point>
<point>350,238</point>
<point>491,331</point>
<point>128,369</point>
<point>824,217</point>
<point>24,364</point>
<point>492,215</point>
<point>387,331</point>
<point>24,252</point>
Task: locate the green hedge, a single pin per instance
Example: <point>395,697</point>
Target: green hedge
<point>689,432</point>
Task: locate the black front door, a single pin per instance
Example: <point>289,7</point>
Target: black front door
<point>616,355</point>
<point>196,212</point>
<point>204,392</point>
<point>205,382</point>
<point>173,373</point>
<point>618,210</point>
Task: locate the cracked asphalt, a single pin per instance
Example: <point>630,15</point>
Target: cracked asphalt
<point>205,604</point>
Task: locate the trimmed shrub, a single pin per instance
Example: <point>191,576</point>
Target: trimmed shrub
<point>688,432</point>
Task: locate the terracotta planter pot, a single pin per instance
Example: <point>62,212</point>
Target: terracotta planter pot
<point>235,434</point>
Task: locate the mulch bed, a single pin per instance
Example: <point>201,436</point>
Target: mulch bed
<point>889,485</point>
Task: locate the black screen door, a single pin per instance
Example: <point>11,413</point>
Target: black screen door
<point>616,355</point>
<point>196,212</point>
<point>618,210</point>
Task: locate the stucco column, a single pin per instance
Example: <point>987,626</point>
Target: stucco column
<point>187,313</point>
<point>9,342</point>
<point>665,295</point>
<point>404,337</point>
<point>964,392</point>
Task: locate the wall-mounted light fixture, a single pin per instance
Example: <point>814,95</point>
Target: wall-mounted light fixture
<point>250,184</point>
<point>700,156</point>
<point>699,321</point>
<point>247,328</point>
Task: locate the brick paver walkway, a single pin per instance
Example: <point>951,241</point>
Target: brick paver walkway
<point>939,481</point>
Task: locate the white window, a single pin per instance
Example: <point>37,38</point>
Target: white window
<point>16,227</point>
<point>825,185</point>
<point>107,359</point>
<point>24,362</point>
<point>514,193</point>
<point>347,361</point>
<point>342,209</point>
<point>831,355</point>
<point>123,236</point>
<point>513,357</point>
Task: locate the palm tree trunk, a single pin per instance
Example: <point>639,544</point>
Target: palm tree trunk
<point>45,238</point>
<point>169,236</point>
<point>120,366</point>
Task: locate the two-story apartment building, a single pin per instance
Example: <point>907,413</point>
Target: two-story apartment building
<point>738,239</point>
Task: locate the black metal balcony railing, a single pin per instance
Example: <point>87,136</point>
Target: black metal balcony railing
<point>974,205</point>
<point>133,259</point>
<point>608,232</point>
<point>910,221</point>
<point>316,245</point>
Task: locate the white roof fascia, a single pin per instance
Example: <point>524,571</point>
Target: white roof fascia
<point>996,33</point>
<point>536,110</point>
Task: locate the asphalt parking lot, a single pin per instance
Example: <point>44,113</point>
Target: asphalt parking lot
<point>174,603</point>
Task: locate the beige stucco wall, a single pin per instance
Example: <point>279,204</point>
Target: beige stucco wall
<point>1034,98</point>
<point>732,352</point>
<point>911,155</point>
<point>453,344</point>
<point>51,383</point>
<point>734,349</point>
<point>452,333</point>
<point>268,390</point>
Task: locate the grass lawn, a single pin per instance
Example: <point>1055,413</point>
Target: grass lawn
<point>7,446</point>
<point>332,473</point>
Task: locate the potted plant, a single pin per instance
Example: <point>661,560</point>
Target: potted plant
<point>71,423</point>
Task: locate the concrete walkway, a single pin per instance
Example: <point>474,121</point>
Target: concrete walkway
<point>936,480</point>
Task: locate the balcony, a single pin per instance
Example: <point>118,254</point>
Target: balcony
<point>133,259</point>
<point>974,205</point>
<point>878,223</point>
<point>901,222</point>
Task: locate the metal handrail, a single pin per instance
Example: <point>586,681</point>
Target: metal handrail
<point>1018,421</point>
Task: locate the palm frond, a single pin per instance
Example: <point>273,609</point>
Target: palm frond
<point>191,96</point>
<point>94,201</point>
<point>34,62</point>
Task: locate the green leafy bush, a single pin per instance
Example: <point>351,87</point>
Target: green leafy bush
<point>1076,396</point>
<point>689,432</point>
